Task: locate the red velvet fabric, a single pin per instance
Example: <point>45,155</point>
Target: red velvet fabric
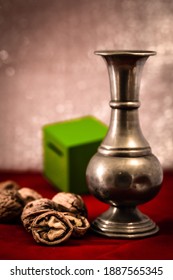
<point>17,244</point>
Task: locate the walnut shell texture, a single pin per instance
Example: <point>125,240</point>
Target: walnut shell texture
<point>11,206</point>
<point>9,186</point>
<point>51,228</point>
<point>29,194</point>
<point>73,202</point>
<point>36,207</point>
<point>80,224</point>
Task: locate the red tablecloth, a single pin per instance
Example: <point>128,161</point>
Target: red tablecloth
<point>17,244</point>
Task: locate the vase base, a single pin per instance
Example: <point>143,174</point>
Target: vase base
<point>126,223</point>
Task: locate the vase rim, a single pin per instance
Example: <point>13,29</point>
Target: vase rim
<point>125,52</point>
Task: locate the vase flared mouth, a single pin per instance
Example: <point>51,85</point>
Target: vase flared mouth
<point>125,52</point>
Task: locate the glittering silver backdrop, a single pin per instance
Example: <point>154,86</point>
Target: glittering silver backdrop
<point>48,71</point>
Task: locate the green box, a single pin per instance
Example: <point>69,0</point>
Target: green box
<point>67,148</point>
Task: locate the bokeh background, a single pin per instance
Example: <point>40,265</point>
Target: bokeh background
<point>48,71</point>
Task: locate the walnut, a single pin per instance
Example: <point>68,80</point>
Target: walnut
<point>51,228</point>
<point>37,207</point>
<point>80,224</point>
<point>11,206</point>
<point>73,202</point>
<point>9,186</point>
<point>29,194</point>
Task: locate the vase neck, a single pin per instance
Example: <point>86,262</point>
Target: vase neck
<point>124,136</point>
<point>125,76</point>
<point>125,69</point>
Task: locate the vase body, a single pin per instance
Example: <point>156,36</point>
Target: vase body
<point>124,173</point>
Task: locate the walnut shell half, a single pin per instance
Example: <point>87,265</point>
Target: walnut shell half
<point>37,207</point>
<point>51,228</point>
<point>73,202</point>
<point>80,224</point>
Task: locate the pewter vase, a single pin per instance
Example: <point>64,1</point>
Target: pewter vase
<point>124,173</point>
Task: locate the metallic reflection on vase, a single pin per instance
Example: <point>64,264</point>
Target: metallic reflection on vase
<point>124,173</point>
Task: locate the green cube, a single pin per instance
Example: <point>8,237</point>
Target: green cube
<point>67,148</point>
